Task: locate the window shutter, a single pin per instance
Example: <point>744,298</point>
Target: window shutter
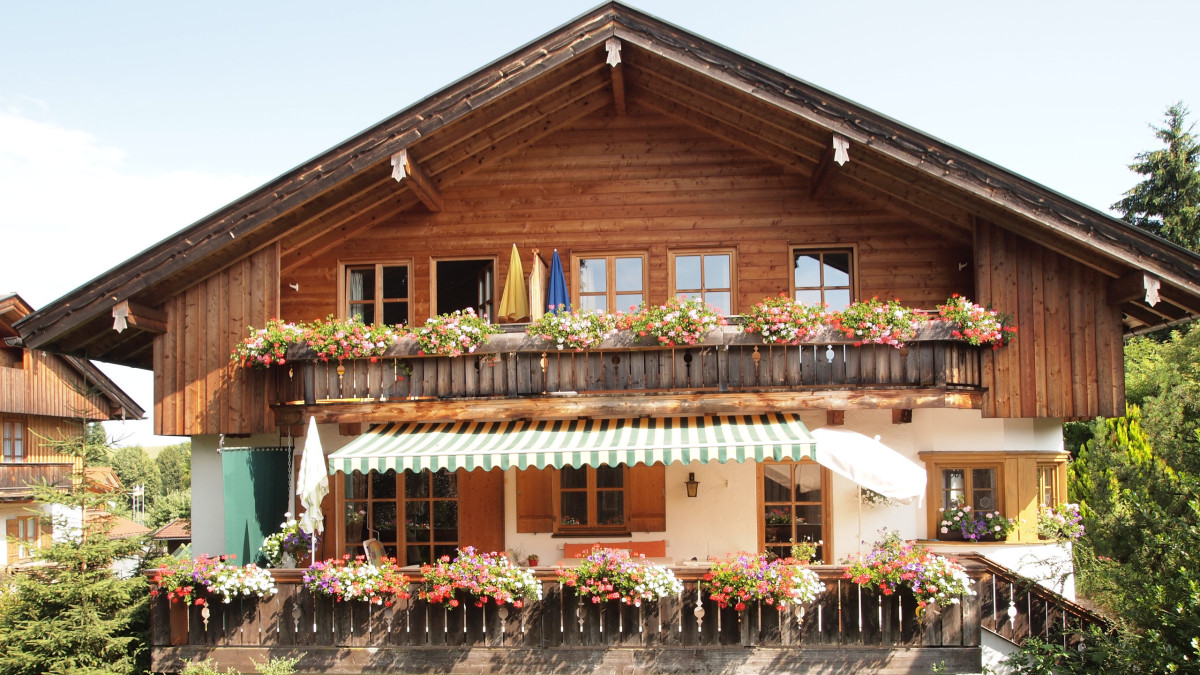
<point>647,496</point>
<point>535,500</point>
<point>11,533</point>
<point>481,509</point>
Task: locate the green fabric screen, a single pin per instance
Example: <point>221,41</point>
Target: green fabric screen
<point>256,497</point>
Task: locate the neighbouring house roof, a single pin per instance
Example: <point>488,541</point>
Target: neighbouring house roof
<point>13,308</point>
<point>101,479</point>
<point>121,527</point>
<point>179,529</point>
<point>564,75</point>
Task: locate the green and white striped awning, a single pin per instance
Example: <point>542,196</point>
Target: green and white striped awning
<point>557,443</point>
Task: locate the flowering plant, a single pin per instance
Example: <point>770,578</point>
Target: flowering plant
<point>747,578</point>
<point>612,574</point>
<point>783,320</point>
<point>779,516</point>
<point>184,579</point>
<point>875,500</point>
<point>893,563</point>
<point>356,579</point>
<point>348,339</point>
<point>289,540</point>
<point>876,321</point>
<point>484,575</point>
<point>1064,522</point>
<point>266,346</point>
<point>578,330</point>
<point>977,324</point>
<point>973,524</point>
<point>454,334</point>
<point>677,321</point>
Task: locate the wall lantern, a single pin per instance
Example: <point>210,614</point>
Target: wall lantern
<point>692,485</point>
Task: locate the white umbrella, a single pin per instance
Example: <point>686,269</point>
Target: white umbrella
<point>870,463</point>
<point>313,484</point>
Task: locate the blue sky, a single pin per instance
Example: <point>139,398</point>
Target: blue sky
<point>122,122</point>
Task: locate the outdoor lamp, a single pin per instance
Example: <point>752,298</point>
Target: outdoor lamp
<point>692,485</point>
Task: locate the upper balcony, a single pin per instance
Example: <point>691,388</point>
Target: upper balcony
<point>16,478</point>
<point>517,375</point>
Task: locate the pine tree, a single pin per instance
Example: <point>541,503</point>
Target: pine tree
<point>1167,202</point>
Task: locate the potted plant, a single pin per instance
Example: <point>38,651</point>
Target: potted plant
<point>454,334</point>
<point>609,574</point>
<point>347,579</point>
<point>745,578</point>
<point>1061,523</point>
<point>287,547</point>
<point>783,320</point>
<point>960,520</point>
<point>678,321</point>
<point>533,560</point>
<point>577,330</point>
<point>978,325</point>
<point>484,576</point>
<point>894,563</point>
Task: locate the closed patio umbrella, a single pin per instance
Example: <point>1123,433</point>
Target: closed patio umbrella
<point>537,288</point>
<point>313,484</point>
<point>557,294</point>
<point>514,302</point>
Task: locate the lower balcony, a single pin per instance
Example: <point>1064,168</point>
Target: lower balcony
<point>845,630</point>
<point>16,478</point>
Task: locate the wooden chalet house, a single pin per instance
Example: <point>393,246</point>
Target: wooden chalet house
<point>655,163</point>
<point>44,398</point>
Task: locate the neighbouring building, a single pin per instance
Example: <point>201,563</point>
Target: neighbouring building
<point>653,162</point>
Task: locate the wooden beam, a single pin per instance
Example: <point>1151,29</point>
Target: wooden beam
<point>902,416</point>
<point>653,405</point>
<point>613,46</point>
<point>127,313</point>
<point>407,168</point>
<point>1137,285</point>
<point>1180,299</point>
<point>1143,315</point>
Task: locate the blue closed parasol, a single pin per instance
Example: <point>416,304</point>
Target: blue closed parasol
<point>557,294</point>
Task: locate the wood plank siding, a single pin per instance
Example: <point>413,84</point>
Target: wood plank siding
<point>1067,359</point>
<point>638,183</point>
<point>45,384</point>
<point>197,390</point>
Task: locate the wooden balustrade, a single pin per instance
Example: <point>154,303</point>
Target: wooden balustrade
<point>514,365</point>
<point>550,634</point>
<point>17,477</point>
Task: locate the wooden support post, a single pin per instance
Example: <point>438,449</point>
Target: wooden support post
<point>404,166</point>
<point>902,416</point>
<point>127,313</point>
<point>613,46</point>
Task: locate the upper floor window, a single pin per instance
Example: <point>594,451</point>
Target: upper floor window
<point>378,293</point>
<point>463,283</point>
<point>823,276</point>
<point>970,486</point>
<point>13,434</point>
<point>592,498</point>
<point>708,275</point>
<point>610,283</point>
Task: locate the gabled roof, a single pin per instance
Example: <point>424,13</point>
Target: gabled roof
<point>566,75</point>
<point>13,308</point>
<point>179,529</point>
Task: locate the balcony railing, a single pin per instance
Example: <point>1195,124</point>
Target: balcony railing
<point>728,361</point>
<point>17,477</point>
<point>846,629</point>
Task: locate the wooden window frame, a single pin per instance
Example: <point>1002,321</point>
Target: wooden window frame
<point>1058,482</point>
<point>826,506</point>
<point>672,254</point>
<point>400,500</point>
<point>1016,483</point>
<point>25,535</point>
<point>794,249</point>
<point>497,283</point>
<point>343,290</point>
<point>610,274</point>
<point>14,423</point>
<point>624,529</point>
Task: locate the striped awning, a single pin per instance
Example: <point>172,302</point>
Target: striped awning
<point>557,443</point>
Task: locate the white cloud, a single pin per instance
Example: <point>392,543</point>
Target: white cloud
<point>72,207</point>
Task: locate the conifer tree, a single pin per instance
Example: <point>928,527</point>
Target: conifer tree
<point>1167,201</point>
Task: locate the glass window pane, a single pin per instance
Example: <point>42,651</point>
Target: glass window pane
<point>416,521</point>
<point>983,478</point>
<point>597,303</point>
<point>445,550</point>
<point>423,555</point>
<point>383,485</point>
<point>361,284</point>
<point>629,274</point>
<point>395,282</point>
<point>628,301</point>
<point>383,520</point>
<point>837,269</point>
<point>573,477</point>
<point>687,272</point>
<point>837,299</point>
<point>416,484</point>
<point>445,484</point>
<point>394,313</point>
<point>954,487</point>
<point>778,521</point>
<point>808,482</point>
<point>610,508</point>
<point>777,482</point>
<point>356,521</point>
<point>716,271</point>
<point>365,313</point>
<point>808,515</point>
<point>593,277</point>
<point>720,300</point>
<point>356,485</point>
<point>573,508</point>
<point>985,500</point>
<point>609,476</point>
<point>809,297</point>
<point>445,521</point>
<point>806,270</point>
